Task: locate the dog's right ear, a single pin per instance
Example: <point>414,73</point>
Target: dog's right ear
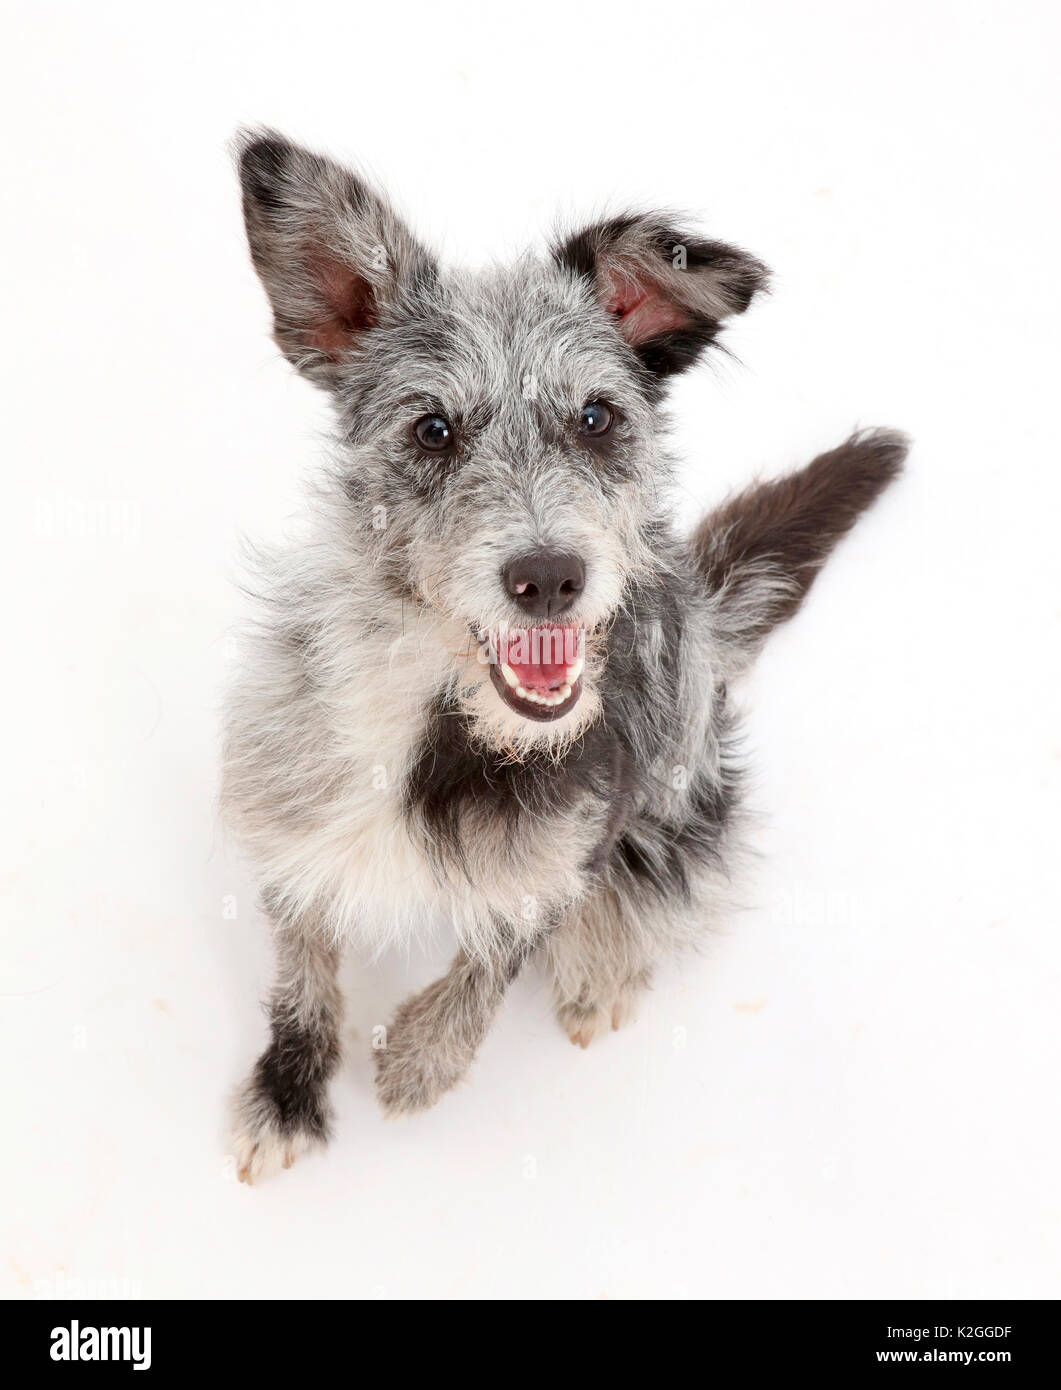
<point>330,252</point>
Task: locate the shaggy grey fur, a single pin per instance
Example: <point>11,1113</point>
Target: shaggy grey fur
<point>380,771</point>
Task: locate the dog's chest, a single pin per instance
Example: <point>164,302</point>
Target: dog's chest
<point>425,821</point>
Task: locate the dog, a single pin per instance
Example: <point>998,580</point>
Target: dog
<point>492,684</point>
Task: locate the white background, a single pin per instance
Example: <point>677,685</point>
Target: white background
<point>854,1092</point>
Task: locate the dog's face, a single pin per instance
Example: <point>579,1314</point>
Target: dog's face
<point>499,431</point>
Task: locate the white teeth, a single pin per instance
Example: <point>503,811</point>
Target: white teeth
<point>534,697</point>
<point>510,677</point>
<point>574,671</point>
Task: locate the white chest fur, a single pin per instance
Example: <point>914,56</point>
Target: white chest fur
<point>315,791</point>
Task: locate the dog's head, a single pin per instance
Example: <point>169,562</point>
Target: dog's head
<point>499,431</point>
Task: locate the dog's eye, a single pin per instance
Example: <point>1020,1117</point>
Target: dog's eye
<point>434,433</point>
<point>596,419</point>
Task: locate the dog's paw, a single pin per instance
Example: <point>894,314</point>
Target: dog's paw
<point>262,1141</point>
<point>260,1153</point>
<point>411,1075</point>
<point>585,1020</point>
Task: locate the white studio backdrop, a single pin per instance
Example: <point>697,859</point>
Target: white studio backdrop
<point>854,1093</point>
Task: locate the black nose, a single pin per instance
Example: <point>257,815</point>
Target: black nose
<point>545,583</point>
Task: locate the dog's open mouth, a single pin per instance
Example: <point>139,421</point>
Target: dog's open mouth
<point>537,671</point>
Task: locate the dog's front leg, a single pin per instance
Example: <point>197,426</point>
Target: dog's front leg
<point>282,1108</point>
<point>435,1035</point>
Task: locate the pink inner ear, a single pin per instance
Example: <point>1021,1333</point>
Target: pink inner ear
<point>348,304</point>
<point>640,305</point>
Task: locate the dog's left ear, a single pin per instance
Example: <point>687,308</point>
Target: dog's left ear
<point>668,293</point>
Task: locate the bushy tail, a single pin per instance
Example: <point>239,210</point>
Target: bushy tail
<point>760,551</point>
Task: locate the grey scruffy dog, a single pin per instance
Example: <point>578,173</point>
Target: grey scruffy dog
<point>490,685</point>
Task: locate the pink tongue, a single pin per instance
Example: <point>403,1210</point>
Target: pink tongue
<point>540,678</point>
<point>540,656</point>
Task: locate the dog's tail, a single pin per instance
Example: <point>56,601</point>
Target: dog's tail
<point>760,552</point>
